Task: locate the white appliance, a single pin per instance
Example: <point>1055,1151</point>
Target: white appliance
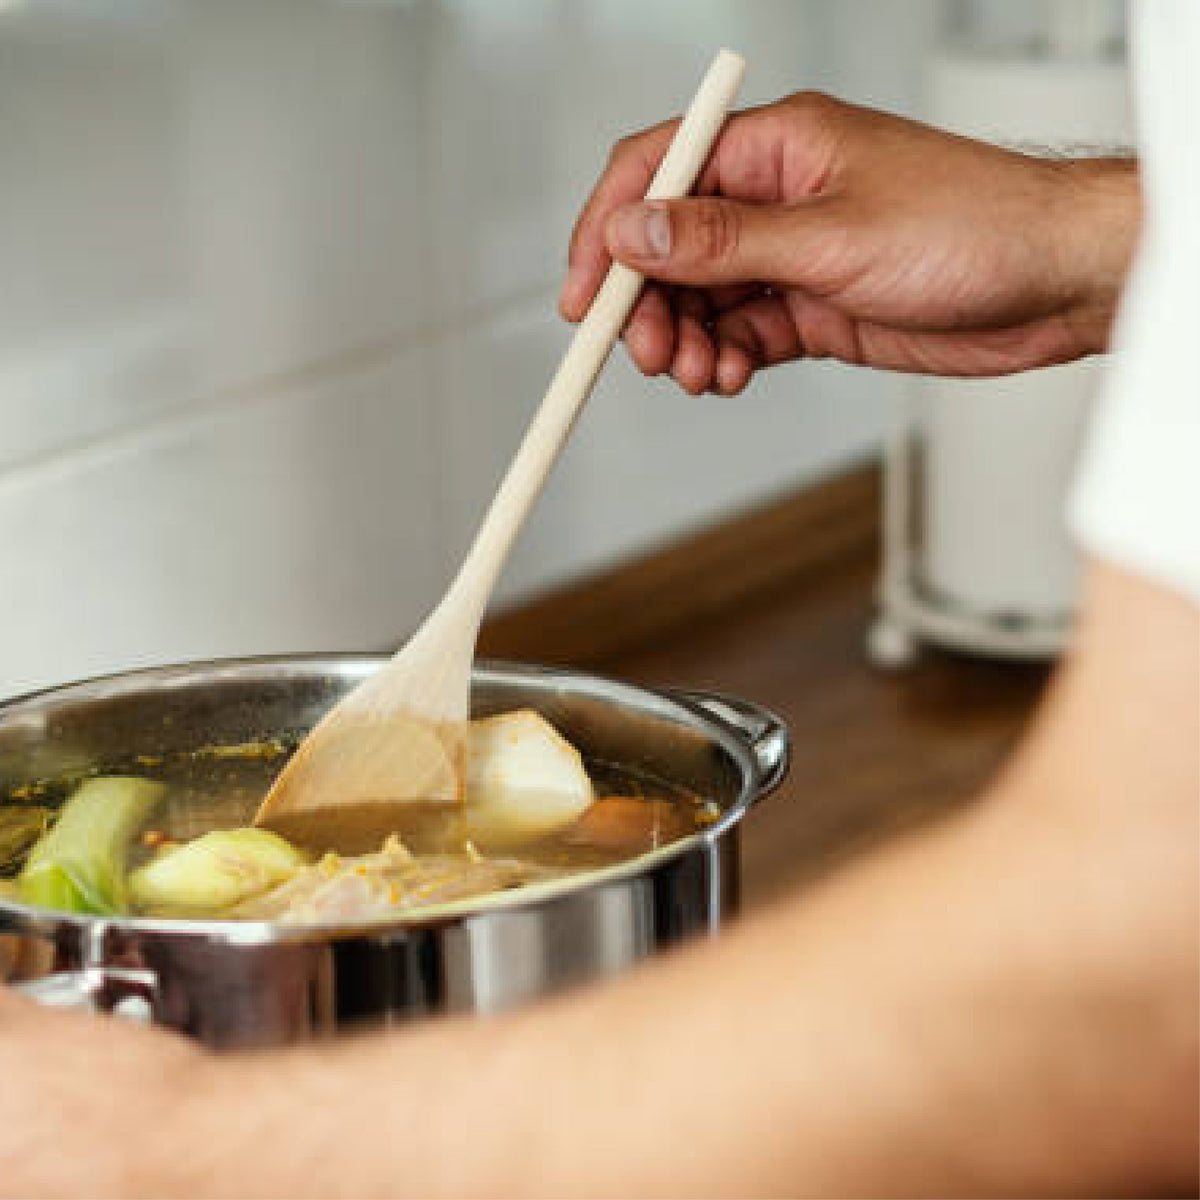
<point>975,549</point>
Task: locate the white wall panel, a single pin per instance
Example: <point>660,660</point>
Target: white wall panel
<point>299,521</point>
<point>93,306</point>
<point>645,462</point>
<point>196,197</point>
<point>306,214</point>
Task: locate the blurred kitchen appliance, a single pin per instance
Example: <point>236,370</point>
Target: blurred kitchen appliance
<point>975,549</point>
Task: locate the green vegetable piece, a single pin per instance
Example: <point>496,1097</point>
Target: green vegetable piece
<point>20,827</point>
<point>79,866</point>
<point>215,870</point>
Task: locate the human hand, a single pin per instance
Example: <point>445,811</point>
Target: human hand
<point>828,230</point>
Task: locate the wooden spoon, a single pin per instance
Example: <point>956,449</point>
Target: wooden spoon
<point>389,754</point>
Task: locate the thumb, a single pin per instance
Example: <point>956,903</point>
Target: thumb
<point>712,241</point>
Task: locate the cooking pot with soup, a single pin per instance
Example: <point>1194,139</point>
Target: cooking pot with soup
<point>450,919</point>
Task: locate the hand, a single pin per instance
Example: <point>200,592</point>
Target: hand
<point>827,230</point>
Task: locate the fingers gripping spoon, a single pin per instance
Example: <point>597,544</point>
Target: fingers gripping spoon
<point>394,745</point>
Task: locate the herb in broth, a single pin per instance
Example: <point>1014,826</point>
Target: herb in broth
<point>20,828</point>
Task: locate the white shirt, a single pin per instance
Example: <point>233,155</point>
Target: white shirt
<point>1136,499</point>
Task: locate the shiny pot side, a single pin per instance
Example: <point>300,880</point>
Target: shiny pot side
<point>241,984</point>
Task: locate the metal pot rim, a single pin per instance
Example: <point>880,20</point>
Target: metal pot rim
<point>753,736</point>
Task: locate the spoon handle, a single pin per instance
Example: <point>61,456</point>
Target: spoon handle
<point>591,345</point>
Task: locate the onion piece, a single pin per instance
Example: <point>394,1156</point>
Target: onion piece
<point>215,870</point>
<point>523,779</point>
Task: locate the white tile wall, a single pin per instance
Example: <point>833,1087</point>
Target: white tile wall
<point>236,193</point>
<point>645,461</point>
<point>302,154</point>
<point>93,324</point>
<point>300,520</point>
<point>278,294</point>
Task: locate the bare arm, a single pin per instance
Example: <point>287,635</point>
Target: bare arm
<point>1006,1004</point>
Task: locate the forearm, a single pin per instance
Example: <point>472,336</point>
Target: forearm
<point>1006,1004</point>
<point>924,1023</point>
<point>893,1035</point>
<point>90,1106</point>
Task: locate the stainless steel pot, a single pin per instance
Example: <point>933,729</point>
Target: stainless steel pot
<point>241,983</point>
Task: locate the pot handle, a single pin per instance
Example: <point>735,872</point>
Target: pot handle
<point>122,991</point>
<point>761,730</point>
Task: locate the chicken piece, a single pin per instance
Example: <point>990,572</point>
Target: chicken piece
<point>380,885</point>
<point>523,779</point>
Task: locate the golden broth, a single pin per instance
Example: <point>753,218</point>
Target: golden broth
<point>221,788</point>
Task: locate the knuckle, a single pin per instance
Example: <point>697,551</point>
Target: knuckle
<point>716,230</point>
<point>622,148</point>
<point>810,100</point>
<point>817,109</point>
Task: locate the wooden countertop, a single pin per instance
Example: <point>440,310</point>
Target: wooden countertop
<point>774,606</point>
<point>873,753</point>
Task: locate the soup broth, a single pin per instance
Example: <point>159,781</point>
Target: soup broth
<point>220,788</point>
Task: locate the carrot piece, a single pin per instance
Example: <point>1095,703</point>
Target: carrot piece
<point>628,823</point>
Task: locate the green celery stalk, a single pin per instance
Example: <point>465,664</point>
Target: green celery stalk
<point>79,866</point>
